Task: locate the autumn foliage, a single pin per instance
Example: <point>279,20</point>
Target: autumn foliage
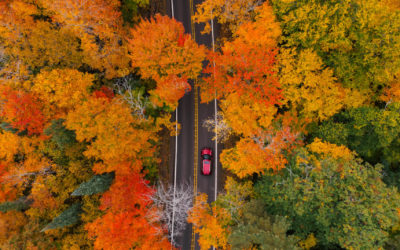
<point>210,222</point>
<point>124,224</point>
<point>308,93</point>
<point>22,110</point>
<point>163,52</point>
<point>61,123</point>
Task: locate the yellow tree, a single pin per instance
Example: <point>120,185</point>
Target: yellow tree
<point>99,26</point>
<point>227,12</point>
<point>259,154</point>
<point>310,89</point>
<point>62,89</point>
<point>34,43</point>
<point>245,116</point>
<point>210,222</point>
<point>113,132</point>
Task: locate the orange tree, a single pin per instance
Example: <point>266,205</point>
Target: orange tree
<point>60,128</point>
<point>243,76</point>
<point>160,50</point>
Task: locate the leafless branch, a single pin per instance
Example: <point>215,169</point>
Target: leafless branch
<point>135,99</point>
<point>221,128</point>
<point>171,210</point>
<point>20,177</point>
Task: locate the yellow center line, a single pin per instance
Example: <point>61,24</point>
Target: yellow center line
<point>196,129</point>
<point>196,152</point>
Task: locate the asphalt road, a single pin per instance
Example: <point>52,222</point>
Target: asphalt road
<point>186,117</point>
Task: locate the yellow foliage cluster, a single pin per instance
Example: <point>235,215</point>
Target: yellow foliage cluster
<point>113,134</point>
<point>210,222</point>
<point>10,224</point>
<point>92,20</point>
<point>245,116</point>
<point>329,149</point>
<point>230,12</point>
<point>309,88</point>
<point>245,159</point>
<point>62,89</point>
<point>309,242</point>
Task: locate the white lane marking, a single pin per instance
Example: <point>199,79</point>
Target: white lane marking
<point>175,170</point>
<point>176,153</point>
<point>215,121</point>
<point>172,9</point>
<point>215,118</point>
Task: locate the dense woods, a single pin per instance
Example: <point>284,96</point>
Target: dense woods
<point>309,98</point>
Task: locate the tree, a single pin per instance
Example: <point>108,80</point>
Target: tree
<point>231,13</point>
<point>310,89</point>
<point>258,155</point>
<point>60,135</point>
<point>236,195</point>
<point>369,131</point>
<point>164,51</point>
<point>339,199</point>
<point>245,116</point>
<point>243,75</point>
<point>124,224</point>
<point>24,27</point>
<point>67,218</point>
<point>262,31</point>
<point>257,230</point>
<point>130,9</point>
<point>219,126</point>
<point>170,207</point>
<point>62,90</point>
<point>210,222</point>
<point>17,205</point>
<point>97,184</point>
<point>22,110</point>
<point>134,97</point>
<point>242,70</point>
<point>118,138</point>
<point>167,55</point>
<point>99,26</point>
<point>357,39</point>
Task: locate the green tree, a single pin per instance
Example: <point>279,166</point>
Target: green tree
<point>67,218</point>
<point>256,229</point>
<point>97,184</point>
<point>61,136</point>
<point>339,199</point>
<point>373,133</point>
<point>359,39</point>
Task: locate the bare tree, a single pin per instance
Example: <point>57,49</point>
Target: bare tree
<point>219,126</point>
<point>133,97</point>
<point>20,175</point>
<point>171,208</point>
<point>2,55</point>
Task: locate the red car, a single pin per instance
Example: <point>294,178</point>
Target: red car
<point>206,154</point>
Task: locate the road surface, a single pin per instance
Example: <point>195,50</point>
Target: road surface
<point>192,137</point>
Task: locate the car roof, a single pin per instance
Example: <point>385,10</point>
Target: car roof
<point>206,166</point>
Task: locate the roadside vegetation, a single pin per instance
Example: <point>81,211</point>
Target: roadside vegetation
<point>309,89</point>
<point>309,98</point>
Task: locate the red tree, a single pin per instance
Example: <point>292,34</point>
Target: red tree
<point>22,110</point>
